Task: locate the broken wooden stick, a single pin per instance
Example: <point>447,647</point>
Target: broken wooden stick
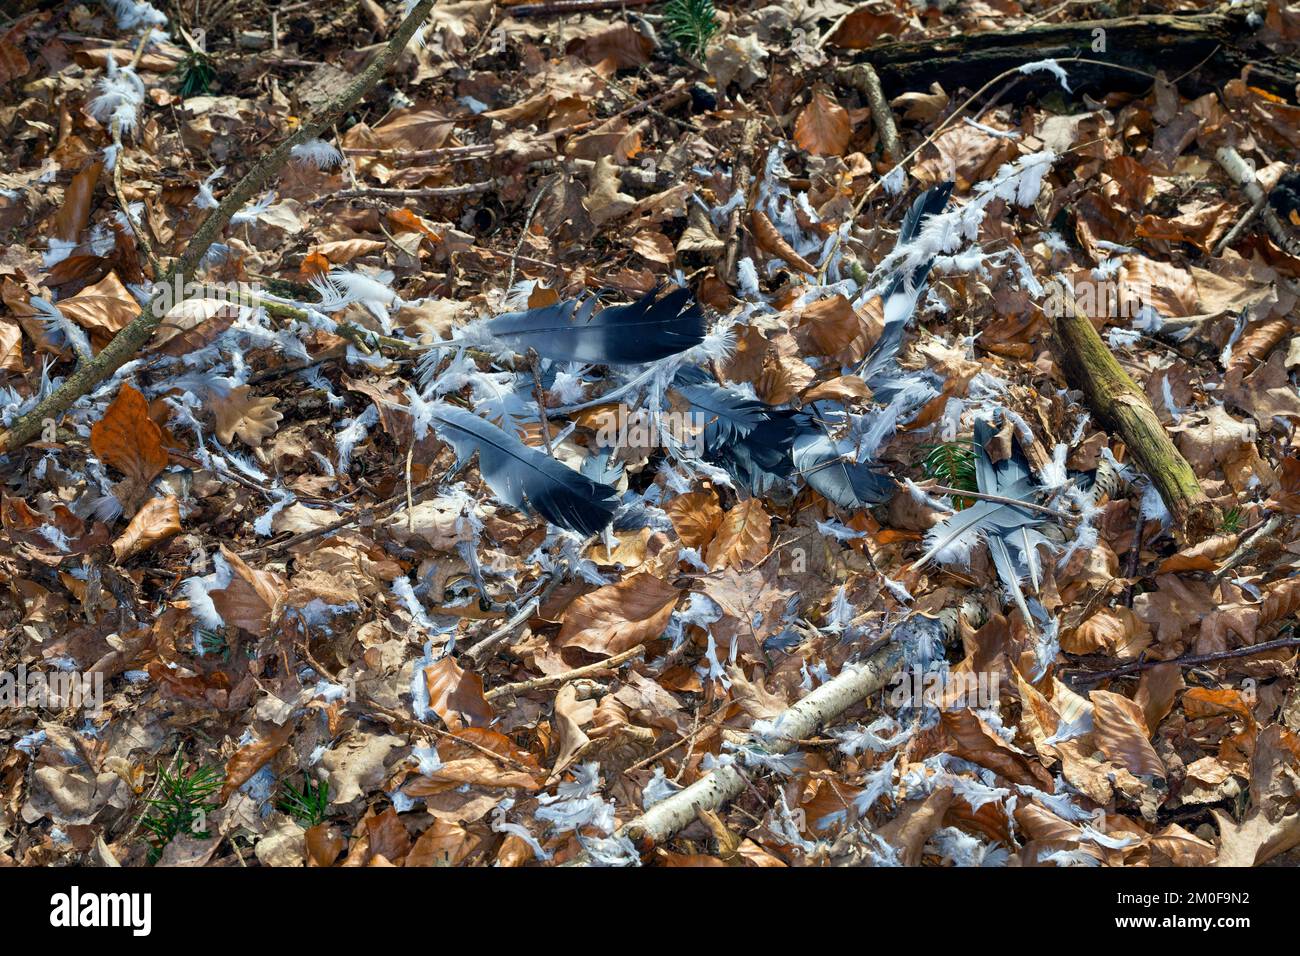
<point>853,684</point>
<point>1120,406</point>
<point>1243,174</point>
<point>863,78</point>
<point>127,344</point>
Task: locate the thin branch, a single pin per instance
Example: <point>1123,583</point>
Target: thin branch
<point>127,344</point>
<point>1189,660</point>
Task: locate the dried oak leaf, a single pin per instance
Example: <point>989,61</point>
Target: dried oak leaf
<point>128,439</point>
<point>823,127</point>
<point>605,201</point>
<point>244,414</point>
<point>356,765</point>
<point>743,538</point>
<point>159,519</point>
<point>617,617</point>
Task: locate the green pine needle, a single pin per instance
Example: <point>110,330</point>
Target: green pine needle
<point>310,805</point>
<point>1232,521</point>
<point>197,74</point>
<point>181,805</point>
<point>692,23</point>
<point>952,464</point>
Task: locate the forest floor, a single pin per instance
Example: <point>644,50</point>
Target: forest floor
<point>252,615</point>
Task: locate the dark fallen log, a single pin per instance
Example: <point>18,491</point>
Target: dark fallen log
<point>1210,48</point>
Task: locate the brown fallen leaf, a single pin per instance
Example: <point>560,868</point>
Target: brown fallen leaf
<point>242,413</point>
<point>158,520</point>
<point>251,598</point>
<point>771,242</point>
<point>128,439</point>
<point>456,695</point>
<point>252,757</point>
<point>695,517</point>
<point>823,127</point>
<point>743,538</point>
<point>1120,730</point>
<point>1280,601</point>
<point>620,616</point>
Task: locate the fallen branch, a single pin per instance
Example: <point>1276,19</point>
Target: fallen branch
<point>430,192</point>
<point>537,683</point>
<point>127,343</point>
<point>1243,174</point>
<point>1120,406</point>
<point>865,80</point>
<point>851,685</point>
<point>1189,660</point>
<point>561,7</point>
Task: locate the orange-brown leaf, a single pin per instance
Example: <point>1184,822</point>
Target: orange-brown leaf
<point>823,128</point>
<point>743,538</point>
<point>128,439</point>
<point>252,757</point>
<point>456,695</point>
<point>619,616</point>
<point>1121,733</point>
<point>695,517</point>
<point>771,242</point>
<point>159,519</point>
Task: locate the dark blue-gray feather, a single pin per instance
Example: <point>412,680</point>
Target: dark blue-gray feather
<point>527,478</point>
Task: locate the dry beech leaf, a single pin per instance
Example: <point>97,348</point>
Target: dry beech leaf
<point>619,616</point>
<point>462,764</point>
<point>1281,600</point>
<point>970,738</point>
<point>828,326</point>
<point>244,414</point>
<point>1116,631</point>
<point>443,844</point>
<point>1204,556</point>
<point>456,695</point>
<point>102,309</point>
<point>158,520</point>
<point>823,127</point>
<point>251,598</point>
<point>695,517</point>
<point>771,242</point>
<point>74,214</point>
<point>605,201</point>
<point>743,538</point>
<point>128,439</point>
<point>252,757</point>
<point>345,250</point>
<point>1120,731</point>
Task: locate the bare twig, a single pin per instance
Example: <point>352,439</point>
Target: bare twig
<point>600,667</point>
<point>128,342</point>
<point>1189,660</point>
